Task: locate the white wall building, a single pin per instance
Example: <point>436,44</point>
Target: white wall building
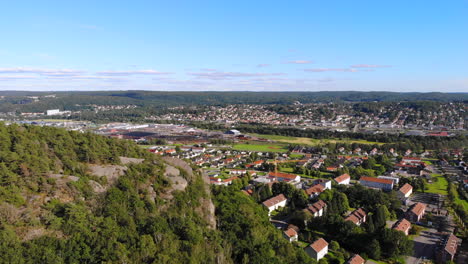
<point>53,112</point>
<point>318,249</point>
<point>275,203</point>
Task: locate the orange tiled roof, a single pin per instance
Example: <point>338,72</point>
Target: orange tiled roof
<point>356,259</point>
<point>406,188</point>
<point>290,232</point>
<point>319,245</point>
<point>342,177</point>
<point>402,225</point>
<point>274,200</point>
<point>379,180</point>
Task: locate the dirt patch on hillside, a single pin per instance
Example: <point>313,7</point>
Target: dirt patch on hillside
<point>30,233</point>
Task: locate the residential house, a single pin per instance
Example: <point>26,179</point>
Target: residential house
<point>358,216</point>
<point>315,190</point>
<point>255,164</point>
<point>355,259</point>
<point>384,184</point>
<point>343,179</point>
<point>395,180</point>
<point>198,149</point>
<point>405,191</point>
<point>325,183</point>
<point>219,181</point>
<point>275,203</point>
<point>290,234</point>
<point>318,249</point>
<point>411,160</point>
<point>238,172</point>
<point>416,212</point>
<point>447,249</point>
<point>317,209</point>
<point>286,177</point>
<point>402,225</point>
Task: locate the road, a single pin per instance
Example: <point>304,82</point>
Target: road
<point>424,246</point>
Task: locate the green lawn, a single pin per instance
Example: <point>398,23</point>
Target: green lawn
<point>288,170</point>
<point>302,244</point>
<point>261,147</point>
<point>378,261</point>
<point>439,185</point>
<point>291,170</point>
<point>312,141</point>
<point>459,201</point>
<point>296,156</point>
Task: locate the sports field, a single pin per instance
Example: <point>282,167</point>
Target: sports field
<point>261,147</point>
<point>313,142</point>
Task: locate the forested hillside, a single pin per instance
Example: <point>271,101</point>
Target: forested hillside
<point>69,197</point>
<point>22,101</point>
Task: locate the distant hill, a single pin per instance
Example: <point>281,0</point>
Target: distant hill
<point>20,100</point>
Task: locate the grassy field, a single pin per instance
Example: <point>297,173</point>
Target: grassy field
<point>296,156</point>
<point>287,170</point>
<point>459,201</point>
<point>438,185</point>
<point>261,147</point>
<point>291,170</point>
<point>311,141</point>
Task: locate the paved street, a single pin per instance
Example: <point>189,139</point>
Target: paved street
<point>424,246</point>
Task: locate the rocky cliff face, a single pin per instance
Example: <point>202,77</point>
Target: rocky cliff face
<point>207,208</point>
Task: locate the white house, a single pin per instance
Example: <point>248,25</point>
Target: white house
<point>315,190</point>
<point>237,172</point>
<point>317,209</point>
<point>53,112</point>
<point>290,234</point>
<point>358,217</point>
<point>343,179</point>
<point>286,177</point>
<point>405,191</point>
<point>318,249</point>
<point>372,182</point>
<point>275,203</point>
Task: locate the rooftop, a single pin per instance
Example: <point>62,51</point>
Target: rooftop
<point>451,244</point>
<point>356,259</point>
<point>274,200</point>
<point>290,232</point>
<point>402,225</point>
<point>319,245</point>
<point>418,208</point>
<point>378,180</point>
<point>406,188</point>
<point>342,178</point>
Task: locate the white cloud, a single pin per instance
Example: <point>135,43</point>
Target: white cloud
<point>45,72</point>
<point>300,62</point>
<point>128,73</point>
<point>370,66</point>
<point>331,70</point>
<point>16,77</point>
<point>218,75</point>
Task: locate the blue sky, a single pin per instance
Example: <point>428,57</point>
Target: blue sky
<point>234,45</point>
